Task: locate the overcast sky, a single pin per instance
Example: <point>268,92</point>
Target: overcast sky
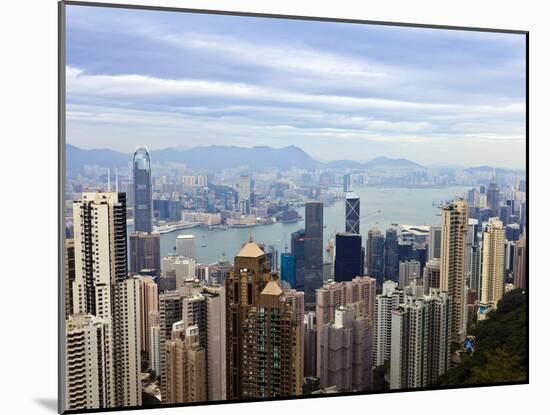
<point>337,90</point>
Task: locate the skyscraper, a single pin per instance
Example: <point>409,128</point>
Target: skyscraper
<point>170,310</point>
<point>390,298</point>
<point>244,194</point>
<point>143,191</point>
<point>89,374</point>
<point>420,346</point>
<point>434,243</point>
<point>492,280</point>
<point>359,293</point>
<point>310,345</point>
<point>263,338</point>
<point>154,341</point>
<point>288,269</point>
<point>375,256</point>
<point>352,212</point>
<point>432,274</point>
<point>297,249</point>
<point>346,352</point>
<point>145,252</point>
<point>216,338</point>
<point>454,230</point>
<point>313,251</point>
<point>346,181</point>
<point>408,270</point>
<point>102,286</point>
<point>69,276</point>
<point>391,255</point>
<point>520,263</point>
<point>149,303</point>
<point>348,263</point>
<point>493,197</point>
<point>185,366</point>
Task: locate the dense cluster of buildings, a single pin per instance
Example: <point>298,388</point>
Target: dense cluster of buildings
<point>142,327</point>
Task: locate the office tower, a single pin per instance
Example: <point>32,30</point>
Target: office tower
<point>359,292</point>
<point>144,252</point>
<point>493,197</point>
<point>154,341</point>
<point>297,249</point>
<point>504,212</point>
<point>263,339</point>
<point>69,276</point>
<point>454,230</point>
<point>346,352</point>
<point>348,262</point>
<point>193,313</point>
<point>149,302</point>
<point>520,263</point>
<point>492,279</point>
<point>102,286</point>
<point>244,194</point>
<point>170,310</point>
<point>167,209</point>
<point>89,373</point>
<point>185,366</point>
<point>352,213</point>
<point>391,255</point>
<point>143,191</point>
<point>273,257</point>
<point>420,345</point>
<point>313,251</point>
<point>346,180</point>
<point>432,274</point>
<point>310,345</point>
<point>288,269</point>
<point>185,246</point>
<point>390,298</point>
<point>408,271</point>
<point>216,338</point>
<point>375,256</point>
<point>434,243</point>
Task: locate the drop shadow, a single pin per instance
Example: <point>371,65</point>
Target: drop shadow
<point>48,403</point>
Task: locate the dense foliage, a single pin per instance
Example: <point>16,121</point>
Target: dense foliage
<point>501,347</point>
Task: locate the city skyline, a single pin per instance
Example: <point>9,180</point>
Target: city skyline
<point>284,82</point>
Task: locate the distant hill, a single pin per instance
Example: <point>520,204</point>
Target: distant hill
<point>210,157</point>
<point>386,162</point>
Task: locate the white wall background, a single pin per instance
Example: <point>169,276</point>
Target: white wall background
<point>28,134</point>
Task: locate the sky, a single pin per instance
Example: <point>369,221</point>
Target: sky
<point>336,90</point>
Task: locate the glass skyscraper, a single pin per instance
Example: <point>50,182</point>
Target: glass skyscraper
<point>143,191</point>
<point>348,263</point>
<point>297,249</point>
<point>352,213</point>
<point>313,251</point>
<point>288,269</point>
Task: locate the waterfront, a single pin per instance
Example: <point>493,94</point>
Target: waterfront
<point>379,206</point>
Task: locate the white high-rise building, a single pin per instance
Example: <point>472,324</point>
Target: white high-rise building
<point>103,289</point>
<point>185,246</point>
<point>89,373</point>
<point>408,271</point>
<point>420,343</point>
<point>390,298</point>
<point>492,280</point>
<point>154,341</point>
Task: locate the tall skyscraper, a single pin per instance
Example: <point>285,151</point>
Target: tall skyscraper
<point>154,341</point>
<point>216,338</point>
<point>170,310</point>
<point>288,269</point>
<point>420,346</point>
<point>352,213</point>
<point>310,345</point>
<point>244,194</point>
<point>89,374</point>
<point>297,249</point>
<point>520,263</point>
<point>185,246</point>
<point>375,256</point>
<point>143,191</point>
<point>185,366</point>
<point>493,197</point>
<point>348,262</point>
<point>492,280</point>
<point>454,230</point>
<point>346,180</point>
<point>263,338</point>
<point>432,274</point>
<point>346,352</point>
<point>359,293</point>
<point>434,243</point>
<point>391,255</point>
<point>145,252</point>
<point>149,302</point>
<point>313,251</point>
<point>390,298</point>
<point>102,286</point>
